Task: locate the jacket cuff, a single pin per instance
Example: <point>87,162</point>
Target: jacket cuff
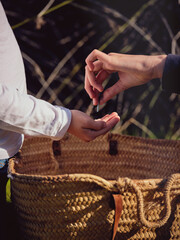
<point>171,74</point>
<point>65,122</point>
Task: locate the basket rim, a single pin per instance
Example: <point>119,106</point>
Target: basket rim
<point>108,135</point>
<point>12,174</point>
<point>111,134</point>
<point>78,177</point>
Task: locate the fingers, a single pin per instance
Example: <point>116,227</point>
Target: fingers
<point>103,122</point>
<point>96,125</point>
<point>107,117</point>
<point>111,122</point>
<point>95,55</point>
<point>103,118</point>
<point>94,63</point>
<point>97,62</point>
<point>90,80</point>
<point>112,91</point>
<point>96,97</point>
<point>89,89</point>
<point>88,129</point>
<point>101,76</point>
<point>111,116</point>
<point>93,84</point>
<point>98,65</point>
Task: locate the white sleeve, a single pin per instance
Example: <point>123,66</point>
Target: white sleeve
<point>28,115</point>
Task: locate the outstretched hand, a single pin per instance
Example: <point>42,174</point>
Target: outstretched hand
<point>88,129</point>
<point>132,70</point>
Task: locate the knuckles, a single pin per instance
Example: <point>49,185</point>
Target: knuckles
<point>86,68</point>
<point>95,51</point>
<point>110,54</point>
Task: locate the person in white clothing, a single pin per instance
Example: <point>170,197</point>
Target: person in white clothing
<point>21,113</point>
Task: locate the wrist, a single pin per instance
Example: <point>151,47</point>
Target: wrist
<point>159,62</point>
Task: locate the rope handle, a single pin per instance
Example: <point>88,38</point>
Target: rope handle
<point>130,183</point>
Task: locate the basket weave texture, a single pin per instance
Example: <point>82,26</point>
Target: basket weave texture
<point>68,189</point>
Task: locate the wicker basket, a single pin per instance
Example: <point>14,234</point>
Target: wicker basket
<point>115,187</point>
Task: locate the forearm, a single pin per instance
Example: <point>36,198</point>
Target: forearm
<point>25,114</point>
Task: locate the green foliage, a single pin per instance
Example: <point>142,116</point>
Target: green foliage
<point>8,191</point>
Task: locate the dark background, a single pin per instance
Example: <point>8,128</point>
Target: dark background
<point>65,36</point>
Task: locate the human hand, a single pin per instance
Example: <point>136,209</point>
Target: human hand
<point>132,70</point>
<point>88,129</point>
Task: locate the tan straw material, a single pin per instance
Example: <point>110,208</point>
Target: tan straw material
<point>115,187</point>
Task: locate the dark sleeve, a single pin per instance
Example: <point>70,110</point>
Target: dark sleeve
<point>171,74</point>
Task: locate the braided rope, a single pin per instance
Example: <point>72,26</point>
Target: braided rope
<point>126,182</point>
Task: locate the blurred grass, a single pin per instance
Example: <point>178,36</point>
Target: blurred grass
<point>54,56</point>
<point>27,20</point>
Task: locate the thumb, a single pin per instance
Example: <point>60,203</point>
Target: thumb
<point>109,125</point>
<point>97,125</point>
<point>111,92</point>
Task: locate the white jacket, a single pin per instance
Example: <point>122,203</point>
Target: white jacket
<point>21,113</point>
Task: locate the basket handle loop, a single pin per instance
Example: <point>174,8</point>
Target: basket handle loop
<point>130,183</point>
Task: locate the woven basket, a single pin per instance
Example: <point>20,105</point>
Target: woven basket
<point>115,187</point>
